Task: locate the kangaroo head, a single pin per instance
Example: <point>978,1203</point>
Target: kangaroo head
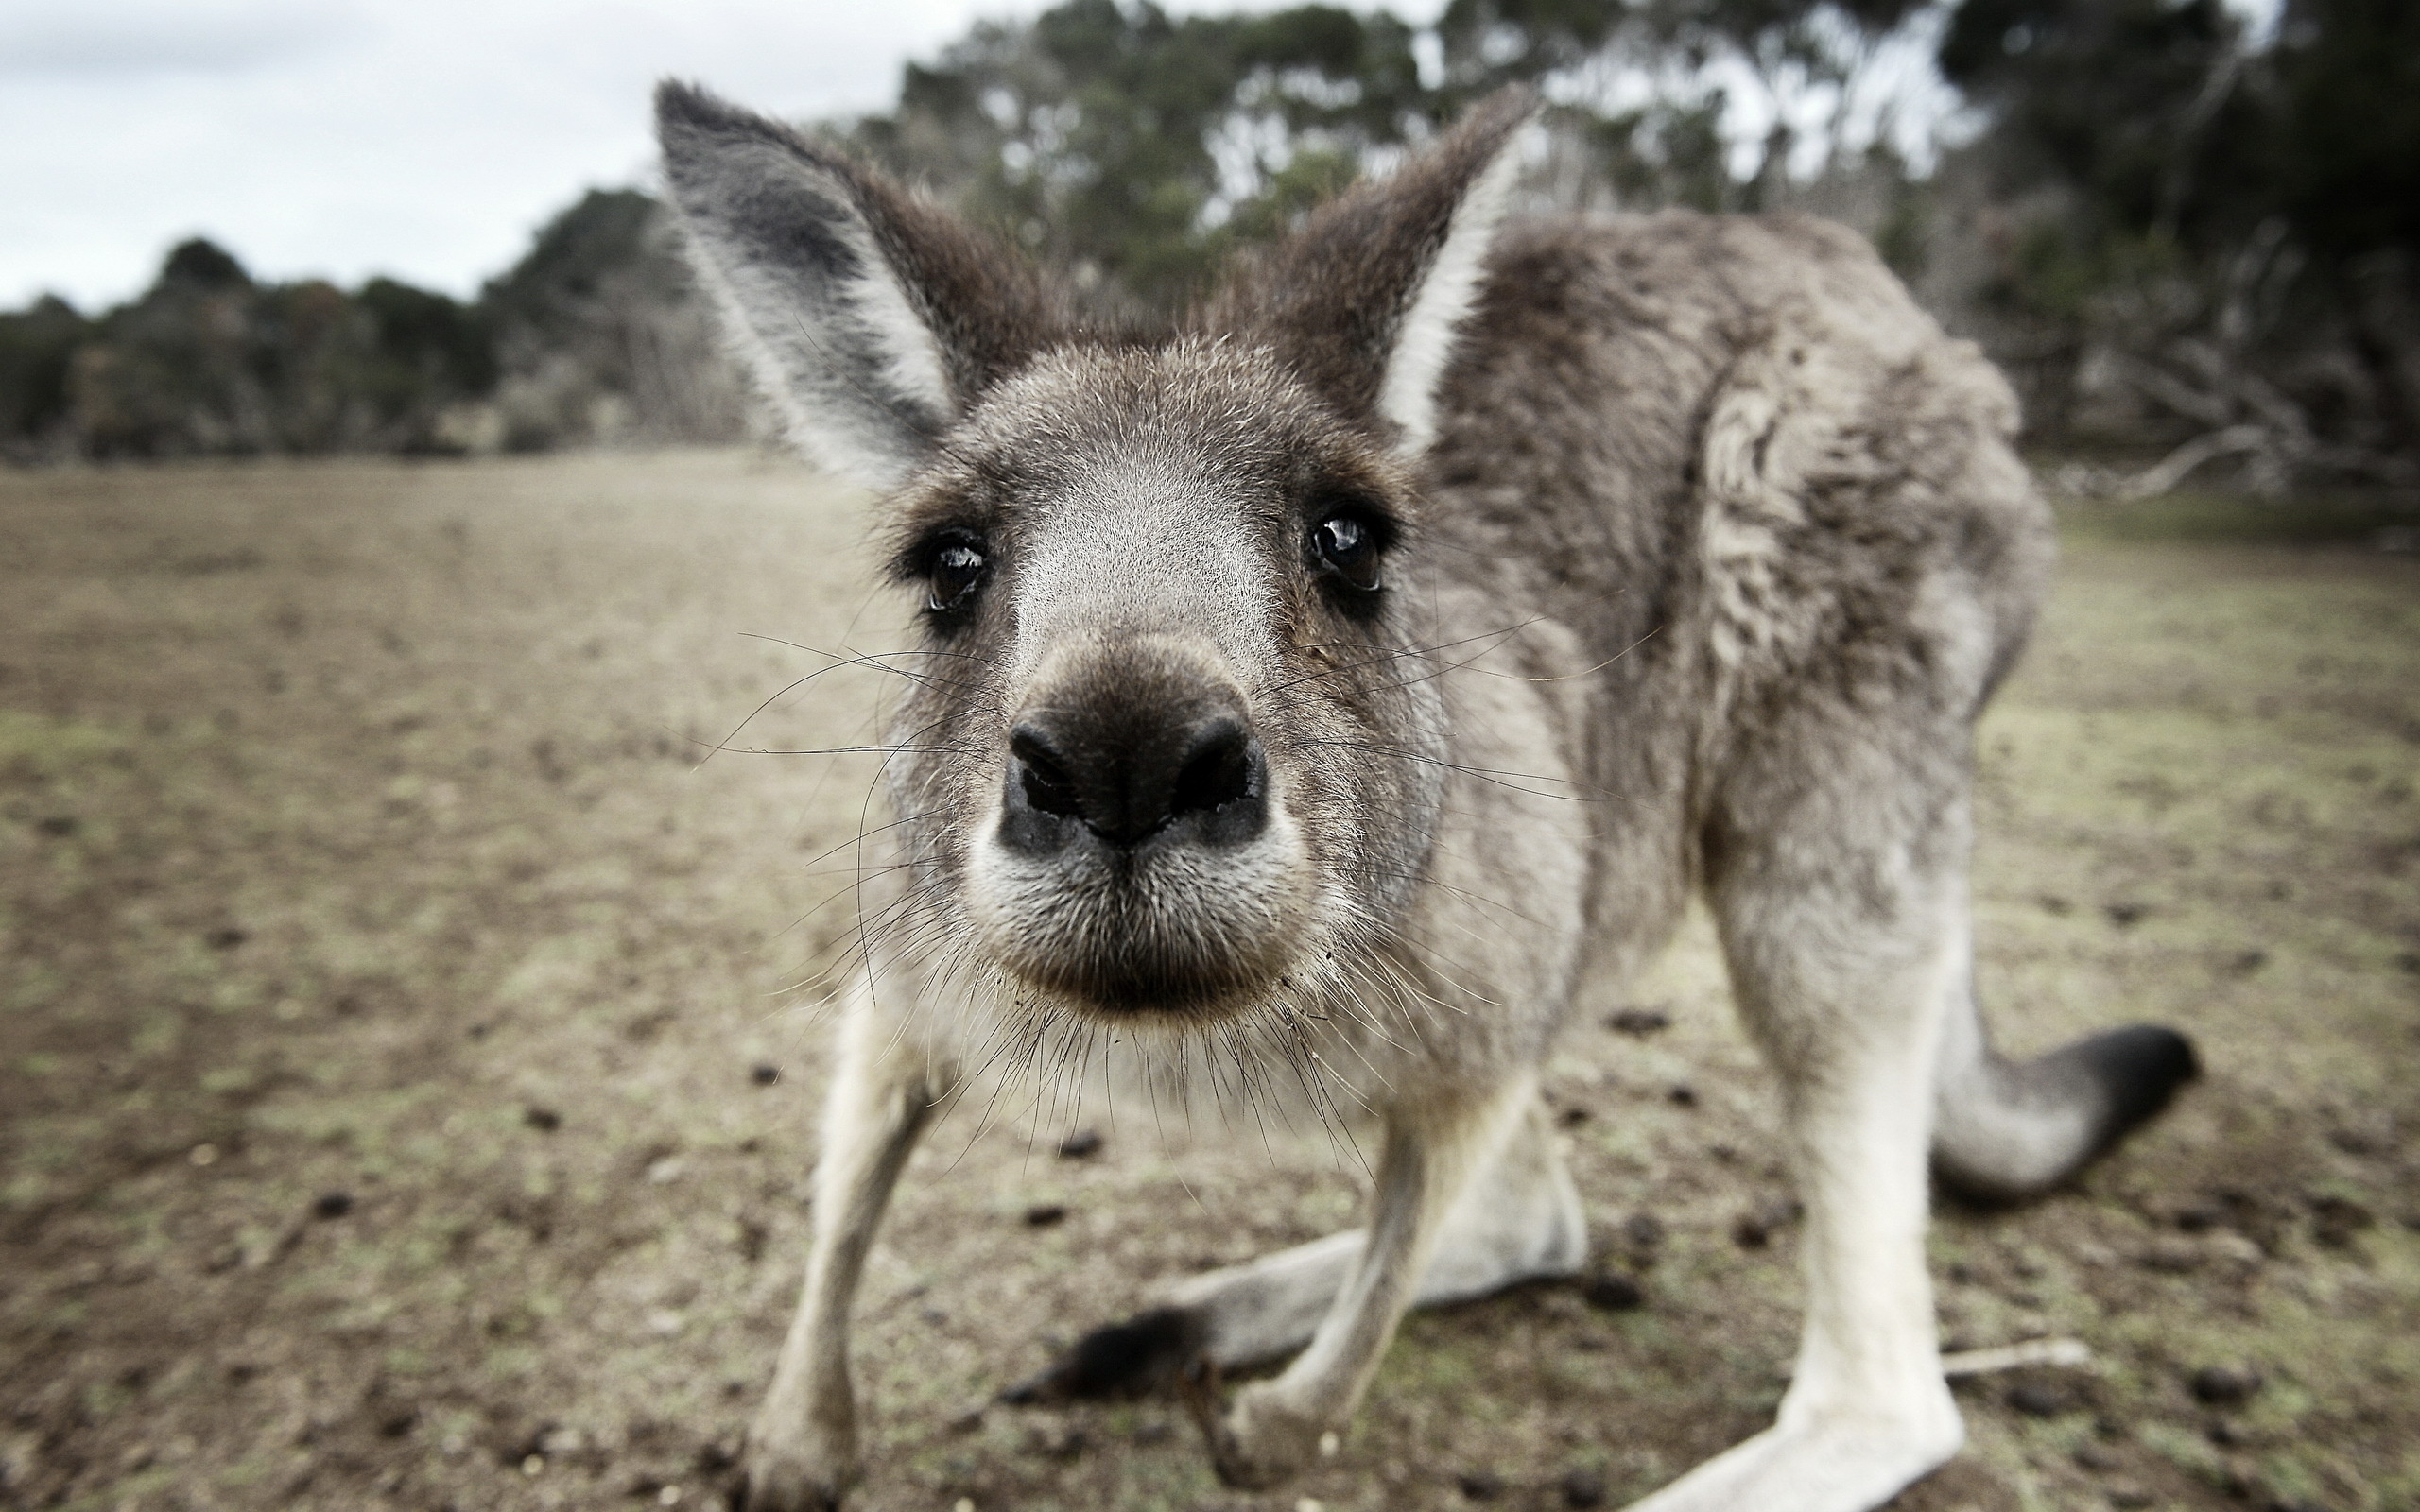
<point>1173,750</point>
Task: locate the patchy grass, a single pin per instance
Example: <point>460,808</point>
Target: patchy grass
<point>386,987</point>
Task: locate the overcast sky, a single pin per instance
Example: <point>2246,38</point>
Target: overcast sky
<point>426,139</point>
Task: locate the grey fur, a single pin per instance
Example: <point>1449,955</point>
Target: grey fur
<point>1717,550</point>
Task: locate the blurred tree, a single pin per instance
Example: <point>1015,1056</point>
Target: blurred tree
<point>210,361</point>
<point>2212,223</point>
<point>2348,168</point>
<point>599,336</point>
<point>36,348</point>
<point>1135,146</point>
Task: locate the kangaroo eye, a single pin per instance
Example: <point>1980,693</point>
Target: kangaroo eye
<point>958,569</point>
<point>1346,547</point>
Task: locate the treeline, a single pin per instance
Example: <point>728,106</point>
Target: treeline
<point>2191,244</point>
<point>592,338</point>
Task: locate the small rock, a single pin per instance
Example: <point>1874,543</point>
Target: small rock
<point>2126,915</point>
<point>1643,1232</point>
<point>225,940</point>
<point>2335,1220</point>
<point>1639,1022</point>
<point>203,1155</point>
<point>332,1205</point>
<point>663,1171</point>
<point>1682,1095</point>
<point>1481,1485</point>
<point>1753,1230</point>
<point>763,1075</point>
<point>1583,1489</point>
<point>1612,1291</point>
<point>2096,1457</point>
<point>1082,1146</point>
<point>1571,1116</point>
<point>2035,1400</point>
<point>544,1120</point>
<point>2225,1385</point>
<point>1044,1214</point>
<point>2201,1217</point>
<point>59,826</point>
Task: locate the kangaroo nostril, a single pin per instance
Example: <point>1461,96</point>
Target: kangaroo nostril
<point>1048,785</point>
<point>1128,772</point>
<point>1221,766</point>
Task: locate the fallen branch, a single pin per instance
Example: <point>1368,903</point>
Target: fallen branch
<point>2068,1352</point>
<point>2173,468</point>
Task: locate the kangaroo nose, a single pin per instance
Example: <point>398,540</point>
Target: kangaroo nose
<point>1127,776</point>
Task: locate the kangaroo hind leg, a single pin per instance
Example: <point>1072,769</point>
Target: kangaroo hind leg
<point>1838,887</point>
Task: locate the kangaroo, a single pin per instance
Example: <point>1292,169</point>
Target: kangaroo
<point>1359,662</point>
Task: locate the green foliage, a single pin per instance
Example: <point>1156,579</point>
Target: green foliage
<point>37,345</point>
<point>2134,104</point>
<point>1138,146</point>
<point>575,258</point>
<point>210,361</point>
<point>429,339</point>
<point>2348,155</point>
<point>2235,223</point>
<point>200,264</point>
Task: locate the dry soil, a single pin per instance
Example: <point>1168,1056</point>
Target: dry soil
<point>408,1047</point>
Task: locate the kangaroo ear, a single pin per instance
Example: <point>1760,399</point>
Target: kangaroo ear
<point>1368,298</point>
<point>870,318</point>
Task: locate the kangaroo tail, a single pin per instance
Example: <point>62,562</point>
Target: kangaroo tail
<point>2005,1130</point>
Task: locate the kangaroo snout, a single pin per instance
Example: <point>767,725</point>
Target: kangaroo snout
<point>1133,773</point>
<point>1142,859</point>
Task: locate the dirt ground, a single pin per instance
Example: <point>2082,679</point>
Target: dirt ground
<point>406,1085</point>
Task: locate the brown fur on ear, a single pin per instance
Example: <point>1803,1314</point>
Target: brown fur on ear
<point>872,317</point>
<point>1335,296</point>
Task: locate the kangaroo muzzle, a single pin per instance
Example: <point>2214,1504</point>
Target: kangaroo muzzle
<point>1141,859</point>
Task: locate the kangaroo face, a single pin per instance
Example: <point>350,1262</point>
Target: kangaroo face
<point>1168,754</point>
<point>1171,751</point>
